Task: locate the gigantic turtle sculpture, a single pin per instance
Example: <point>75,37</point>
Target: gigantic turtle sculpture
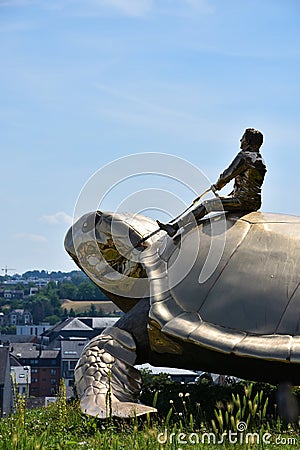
<point>242,320</point>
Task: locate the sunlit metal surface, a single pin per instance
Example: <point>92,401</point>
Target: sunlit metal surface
<point>251,304</point>
<point>243,320</point>
<point>106,382</point>
<point>101,245</point>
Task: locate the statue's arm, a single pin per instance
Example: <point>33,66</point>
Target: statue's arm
<point>238,165</point>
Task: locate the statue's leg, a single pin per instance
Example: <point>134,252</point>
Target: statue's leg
<point>208,206</point>
<point>105,379</point>
<point>211,205</point>
<point>198,213</point>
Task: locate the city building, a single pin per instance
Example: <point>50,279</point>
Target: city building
<point>19,317</point>
<point>45,367</point>
<point>21,378</point>
<point>71,349</point>
<point>32,330</point>
<point>10,294</point>
<point>98,324</point>
<point>33,291</point>
<point>71,327</point>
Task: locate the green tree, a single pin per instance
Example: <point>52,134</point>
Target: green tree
<point>40,306</point>
<point>86,291</point>
<point>92,311</point>
<point>53,319</point>
<point>9,329</point>
<point>67,290</point>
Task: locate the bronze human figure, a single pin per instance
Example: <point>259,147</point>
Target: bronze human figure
<point>248,169</point>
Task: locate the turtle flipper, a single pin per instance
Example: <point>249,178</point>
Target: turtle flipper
<point>106,381</point>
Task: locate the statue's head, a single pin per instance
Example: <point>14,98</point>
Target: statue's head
<point>106,248</point>
<point>252,138</point>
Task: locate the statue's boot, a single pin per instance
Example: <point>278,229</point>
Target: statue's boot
<point>169,228</point>
<point>105,379</point>
<point>192,217</point>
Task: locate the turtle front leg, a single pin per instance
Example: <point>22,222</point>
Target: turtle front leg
<point>105,379</point>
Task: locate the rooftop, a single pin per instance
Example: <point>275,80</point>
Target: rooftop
<point>70,324</point>
<point>99,322</point>
<point>30,351</point>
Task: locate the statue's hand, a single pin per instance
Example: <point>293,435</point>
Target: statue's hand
<point>217,186</point>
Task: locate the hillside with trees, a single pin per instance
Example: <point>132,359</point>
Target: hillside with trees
<point>42,294</point>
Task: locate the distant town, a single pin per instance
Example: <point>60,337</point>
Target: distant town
<point>40,296</point>
<point>46,319</point>
<point>41,335</point>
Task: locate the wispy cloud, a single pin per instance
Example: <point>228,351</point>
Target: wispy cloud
<point>128,7</point>
<point>31,237</point>
<point>15,2</point>
<point>140,8</point>
<point>131,8</point>
<point>127,108</point>
<point>58,218</point>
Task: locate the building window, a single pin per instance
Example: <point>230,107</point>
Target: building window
<point>34,370</point>
<point>53,371</point>
<point>72,365</point>
<point>34,380</point>
<point>53,381</point>
<point>52,391</point>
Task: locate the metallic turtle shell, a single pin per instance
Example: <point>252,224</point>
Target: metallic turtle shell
<point>249,306</point>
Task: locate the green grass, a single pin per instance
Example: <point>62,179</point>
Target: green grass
<point>62,426</point>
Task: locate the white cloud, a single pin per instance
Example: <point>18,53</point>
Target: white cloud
<point>31,237</point>
<point>58,218</point>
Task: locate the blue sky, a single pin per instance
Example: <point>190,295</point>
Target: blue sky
<point>84,83</point>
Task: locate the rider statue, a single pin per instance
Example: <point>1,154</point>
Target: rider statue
<point>248,169</point>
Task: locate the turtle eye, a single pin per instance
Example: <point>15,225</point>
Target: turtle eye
<point>91,221</point>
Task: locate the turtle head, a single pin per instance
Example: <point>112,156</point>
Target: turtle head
<point>106,248</point>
